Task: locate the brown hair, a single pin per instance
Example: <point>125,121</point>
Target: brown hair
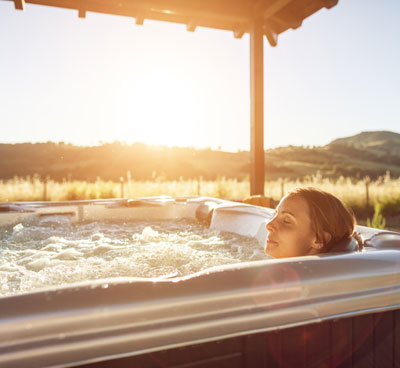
<point>328,214</point>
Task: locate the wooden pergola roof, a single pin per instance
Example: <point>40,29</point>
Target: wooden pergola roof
<point>259,18</point>
<point>232,15</point>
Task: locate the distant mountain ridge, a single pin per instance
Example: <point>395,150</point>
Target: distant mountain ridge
<point>381,142</point>
<point>366,153</point>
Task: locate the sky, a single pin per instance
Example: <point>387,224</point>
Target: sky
<point>104,78</point>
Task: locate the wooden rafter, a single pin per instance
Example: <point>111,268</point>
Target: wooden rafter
<point>191,25</point>
<point>19,4</point>
<point>139,19</point>
<point>239,32</point>
<point>82,7</point>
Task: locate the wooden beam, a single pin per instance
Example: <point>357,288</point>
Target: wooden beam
<point>19,4</point>
<point>257,107</point>
<point>286,24</point>
<point>275,7</point>
<point>221,14</point>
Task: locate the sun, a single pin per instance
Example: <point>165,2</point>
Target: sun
<point>160,110</point>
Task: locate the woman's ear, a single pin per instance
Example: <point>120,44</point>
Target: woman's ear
<point>319,243</point>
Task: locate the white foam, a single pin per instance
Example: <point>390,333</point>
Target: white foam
<point>69,254</point>
<point>51,252</point>
<point>38,264</point>
<point>148,234</point>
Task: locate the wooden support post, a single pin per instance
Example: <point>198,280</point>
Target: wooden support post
<point>257,108</point>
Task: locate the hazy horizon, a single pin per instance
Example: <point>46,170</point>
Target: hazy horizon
<point>179,146</point>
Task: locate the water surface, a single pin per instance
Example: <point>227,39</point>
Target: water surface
<point>51,251</point>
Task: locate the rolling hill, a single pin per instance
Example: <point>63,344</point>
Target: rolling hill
<point>379,142</point>
<point>367,153</point>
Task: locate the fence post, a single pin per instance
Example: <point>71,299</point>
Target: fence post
<point>128,184</point>
<point>367,181</point>
<point>45,188</point>
<point>199,185</point>
<point>121,179</point>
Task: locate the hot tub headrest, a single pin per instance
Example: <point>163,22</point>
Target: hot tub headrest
<point>205,211</point>
<point>345,245</point>
<point>384,240</point>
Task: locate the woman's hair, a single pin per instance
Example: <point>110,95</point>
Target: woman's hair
<point>328,214</point>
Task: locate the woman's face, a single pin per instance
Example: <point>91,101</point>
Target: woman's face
<point>289,231</point>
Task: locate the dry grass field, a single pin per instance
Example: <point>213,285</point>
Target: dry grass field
<point>353,192</point>
<point>360,195</point>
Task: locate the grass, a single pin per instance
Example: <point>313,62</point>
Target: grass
<point>361,195</point>
<point>33,189</point>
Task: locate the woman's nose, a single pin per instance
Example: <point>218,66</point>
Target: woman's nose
<point>271,225</point>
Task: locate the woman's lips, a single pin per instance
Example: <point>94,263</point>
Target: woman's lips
<point>270,241</point>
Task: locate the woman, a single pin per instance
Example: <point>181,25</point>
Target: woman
<point>309,221</point>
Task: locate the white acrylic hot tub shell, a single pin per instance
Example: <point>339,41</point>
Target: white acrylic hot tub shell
<point>111,318</point>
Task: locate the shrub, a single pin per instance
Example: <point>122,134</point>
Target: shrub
<point>378,221</point>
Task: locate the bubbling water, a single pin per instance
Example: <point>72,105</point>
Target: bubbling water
<point>48,252</point>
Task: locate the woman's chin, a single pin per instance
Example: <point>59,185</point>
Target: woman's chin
<point>271,249</point>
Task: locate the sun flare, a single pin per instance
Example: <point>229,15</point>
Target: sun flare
<point>161,111</point>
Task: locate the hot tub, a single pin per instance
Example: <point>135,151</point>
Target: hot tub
<point>341,309</point>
